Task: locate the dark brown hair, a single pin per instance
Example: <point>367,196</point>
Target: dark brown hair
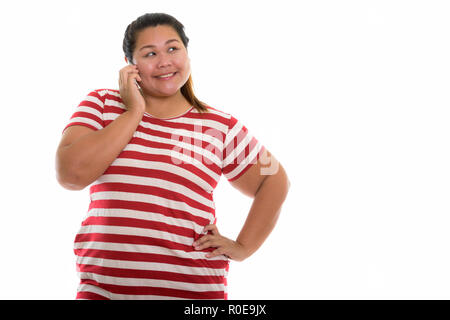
<point>153,20</point>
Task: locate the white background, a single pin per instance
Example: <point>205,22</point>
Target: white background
<point>351,96</point>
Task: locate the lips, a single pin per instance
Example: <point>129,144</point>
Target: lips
<point>166,75</point>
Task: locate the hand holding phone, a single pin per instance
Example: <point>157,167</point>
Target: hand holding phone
<point>130,91</point>
<point>135,81</point>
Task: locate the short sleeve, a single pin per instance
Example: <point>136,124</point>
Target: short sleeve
<point>241,150</point>
<point>89,112</point>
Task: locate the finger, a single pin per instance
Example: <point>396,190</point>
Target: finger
<point>124,75</point>
<point>213,242</point>
<point>201,241</point>
<point>205,243</point>
<point>133,69</point>
<point>215,253</point>
<point>132,81</point>
<point>137,75</point>
<point>121,79</point>
<point>129,67</point>
<point>124,72</point>
<point>132,75</point>
<point>212,228</point>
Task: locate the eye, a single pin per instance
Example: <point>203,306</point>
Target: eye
<point>152,53</point>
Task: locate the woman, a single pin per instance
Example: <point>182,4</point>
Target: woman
<point>154,154</point>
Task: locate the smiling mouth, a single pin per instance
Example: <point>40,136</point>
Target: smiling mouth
<point>166,76</point>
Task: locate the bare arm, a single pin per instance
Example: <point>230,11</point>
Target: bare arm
<point>265,210</point>
<point>84,154</point>
<point>268,192</point>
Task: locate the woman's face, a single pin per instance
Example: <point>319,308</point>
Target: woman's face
<point>159,51</point>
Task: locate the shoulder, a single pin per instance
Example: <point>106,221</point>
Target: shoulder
<point>107,93</point>
<point>219,115</point>
<point>105,97</point>
<point>215,118</point>
<point>218,112</point>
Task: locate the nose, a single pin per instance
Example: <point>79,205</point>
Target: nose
<point>164,61</point>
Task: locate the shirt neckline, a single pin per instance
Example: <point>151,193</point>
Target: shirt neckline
<point>171,118</point>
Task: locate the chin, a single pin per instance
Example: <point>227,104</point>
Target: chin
<point>165,93</point>
<point>159,93</point>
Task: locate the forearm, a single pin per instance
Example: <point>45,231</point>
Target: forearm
<point>264,212</point>
<point>89,156</point>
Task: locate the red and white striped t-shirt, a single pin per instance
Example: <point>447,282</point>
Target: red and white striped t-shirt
<point>153,202</point>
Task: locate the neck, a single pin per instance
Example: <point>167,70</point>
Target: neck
<point>166,107</point>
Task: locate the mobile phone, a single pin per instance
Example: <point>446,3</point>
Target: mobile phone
<point>137,85</point>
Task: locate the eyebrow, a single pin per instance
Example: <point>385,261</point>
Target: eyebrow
<point>153,46</point>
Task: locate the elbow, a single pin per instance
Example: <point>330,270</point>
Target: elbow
<point>68,176</point>
<point>286,185</point>
<point>69,181</point>
<point>69,184</point>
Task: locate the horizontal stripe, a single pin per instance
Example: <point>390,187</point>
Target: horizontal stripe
<point>151,234</point>
<point>138,223</point>
<point>179,146</point>
<point>150,190</point>
<point>151,274</point>
<point>86,295</point>
<point>80,124</point>
<point>89,288</point>
<point>197,131</point>
<point>167,167</point>
<point>148,208</point>
<point>93,100</point>
<point>178,165</point>
<point>90,112</point>
<point>156,173</point>
<point>150,199</point>
<point>220,118</point>
<point>93,292</point>
<point>157,291</point>
<point>175,154</point>
<point>150,283</point>
<point>142,219</point>
<point>92,122</point>
<point>174,185</point>
<point>112,93</point>
<point>197,267</point>
<point>131,239</point>
<point>115,103</point>
<point>147,216</point>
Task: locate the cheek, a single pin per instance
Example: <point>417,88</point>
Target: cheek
<point>185,65</point>
<point>145,72</point>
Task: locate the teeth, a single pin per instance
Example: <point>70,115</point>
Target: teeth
<point>166,76</point>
